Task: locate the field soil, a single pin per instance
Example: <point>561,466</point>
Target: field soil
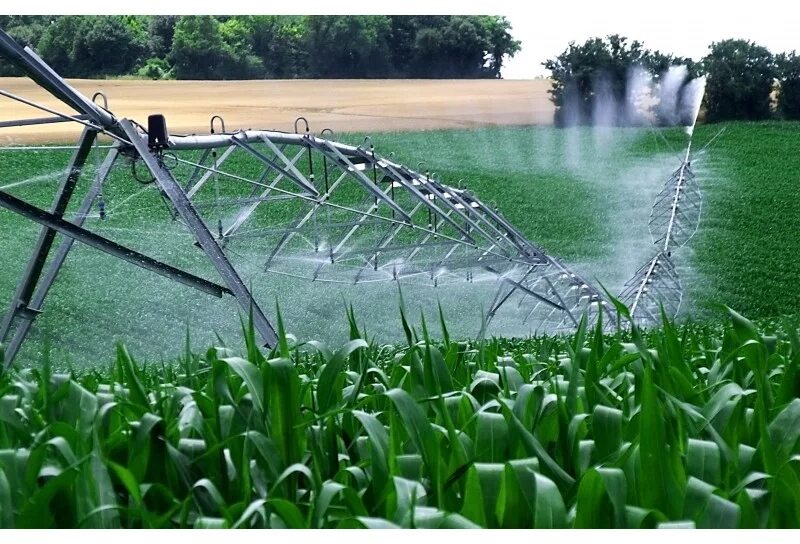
<point>341,105</point>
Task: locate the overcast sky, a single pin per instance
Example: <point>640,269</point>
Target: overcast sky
<point>681,27</point>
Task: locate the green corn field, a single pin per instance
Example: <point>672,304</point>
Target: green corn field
<point>690,426</point>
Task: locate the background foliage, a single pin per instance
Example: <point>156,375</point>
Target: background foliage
<point>789,68</point>
<point>742,79</point>
<point>745,80</point>
<point>267,46</point>
<point>741,76</point>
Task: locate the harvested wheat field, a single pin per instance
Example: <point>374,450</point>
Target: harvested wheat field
<point>341,105</point>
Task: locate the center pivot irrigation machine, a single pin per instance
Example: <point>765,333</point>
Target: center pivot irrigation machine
<point>309,207</point>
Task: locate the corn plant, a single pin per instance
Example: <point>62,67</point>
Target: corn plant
<point>692,426</point>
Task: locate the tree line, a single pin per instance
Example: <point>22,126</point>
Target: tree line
<point>744,80</point>
<point>269,46</point>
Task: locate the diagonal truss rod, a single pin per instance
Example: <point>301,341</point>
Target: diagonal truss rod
<point>245,214</point>
<point>43,288</point>
<point>209,171</point>
<point>42,121</point>
<point>204,238</point>
<point>521,286</point>
<point>290,171</point>
<point>443,196</point>
<point>383,244</point>
<point>47,235</point>
<point>317,205</point>
<point>55,224</point>
<point>333,154</point>
<point>408,184</point>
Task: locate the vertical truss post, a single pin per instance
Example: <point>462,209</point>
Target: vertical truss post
<point>33,271</point>
<point>205,239</point>
<point>49,278</point>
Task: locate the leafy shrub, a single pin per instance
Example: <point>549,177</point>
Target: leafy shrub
<point>155,68</point>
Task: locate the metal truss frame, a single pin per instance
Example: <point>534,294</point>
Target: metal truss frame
<point>674,218</point>
<point>313,207</point>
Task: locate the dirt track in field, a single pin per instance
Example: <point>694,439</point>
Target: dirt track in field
<point>342,105</point>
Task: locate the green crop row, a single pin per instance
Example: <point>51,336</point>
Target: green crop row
<point>691,426</point>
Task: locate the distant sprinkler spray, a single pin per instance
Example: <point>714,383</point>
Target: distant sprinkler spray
<point>674,218</point>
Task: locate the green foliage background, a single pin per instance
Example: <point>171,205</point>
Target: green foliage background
<point>742,77</point>
<point>267,46</point>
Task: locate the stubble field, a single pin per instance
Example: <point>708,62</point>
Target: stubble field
<point>341,105</point>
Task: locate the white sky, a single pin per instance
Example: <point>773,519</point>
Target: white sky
<point>545,27</point>
<point>682,27</point>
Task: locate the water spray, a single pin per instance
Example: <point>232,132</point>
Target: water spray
<point>674,218</point>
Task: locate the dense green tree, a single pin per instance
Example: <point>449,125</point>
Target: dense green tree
<point>501,43</point>
<point>26,30</point>
<point>789,99</point>
<point>241,62</point>
<point>57,44</point>
<point>161,31</point>
<point>456,49</point>
<point>109,46</point>
<point>139,27</point>
<point>429,46</point>
<point>452,46</point>
<point>404,33</point>
<point>741,75</point>
<point>349,46</point>
<point>84,46</point>
<point>279,42</point>
<point>198,50</point>
<point>205,48</point>
<point>657,65</point>
<point>580,71</point>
